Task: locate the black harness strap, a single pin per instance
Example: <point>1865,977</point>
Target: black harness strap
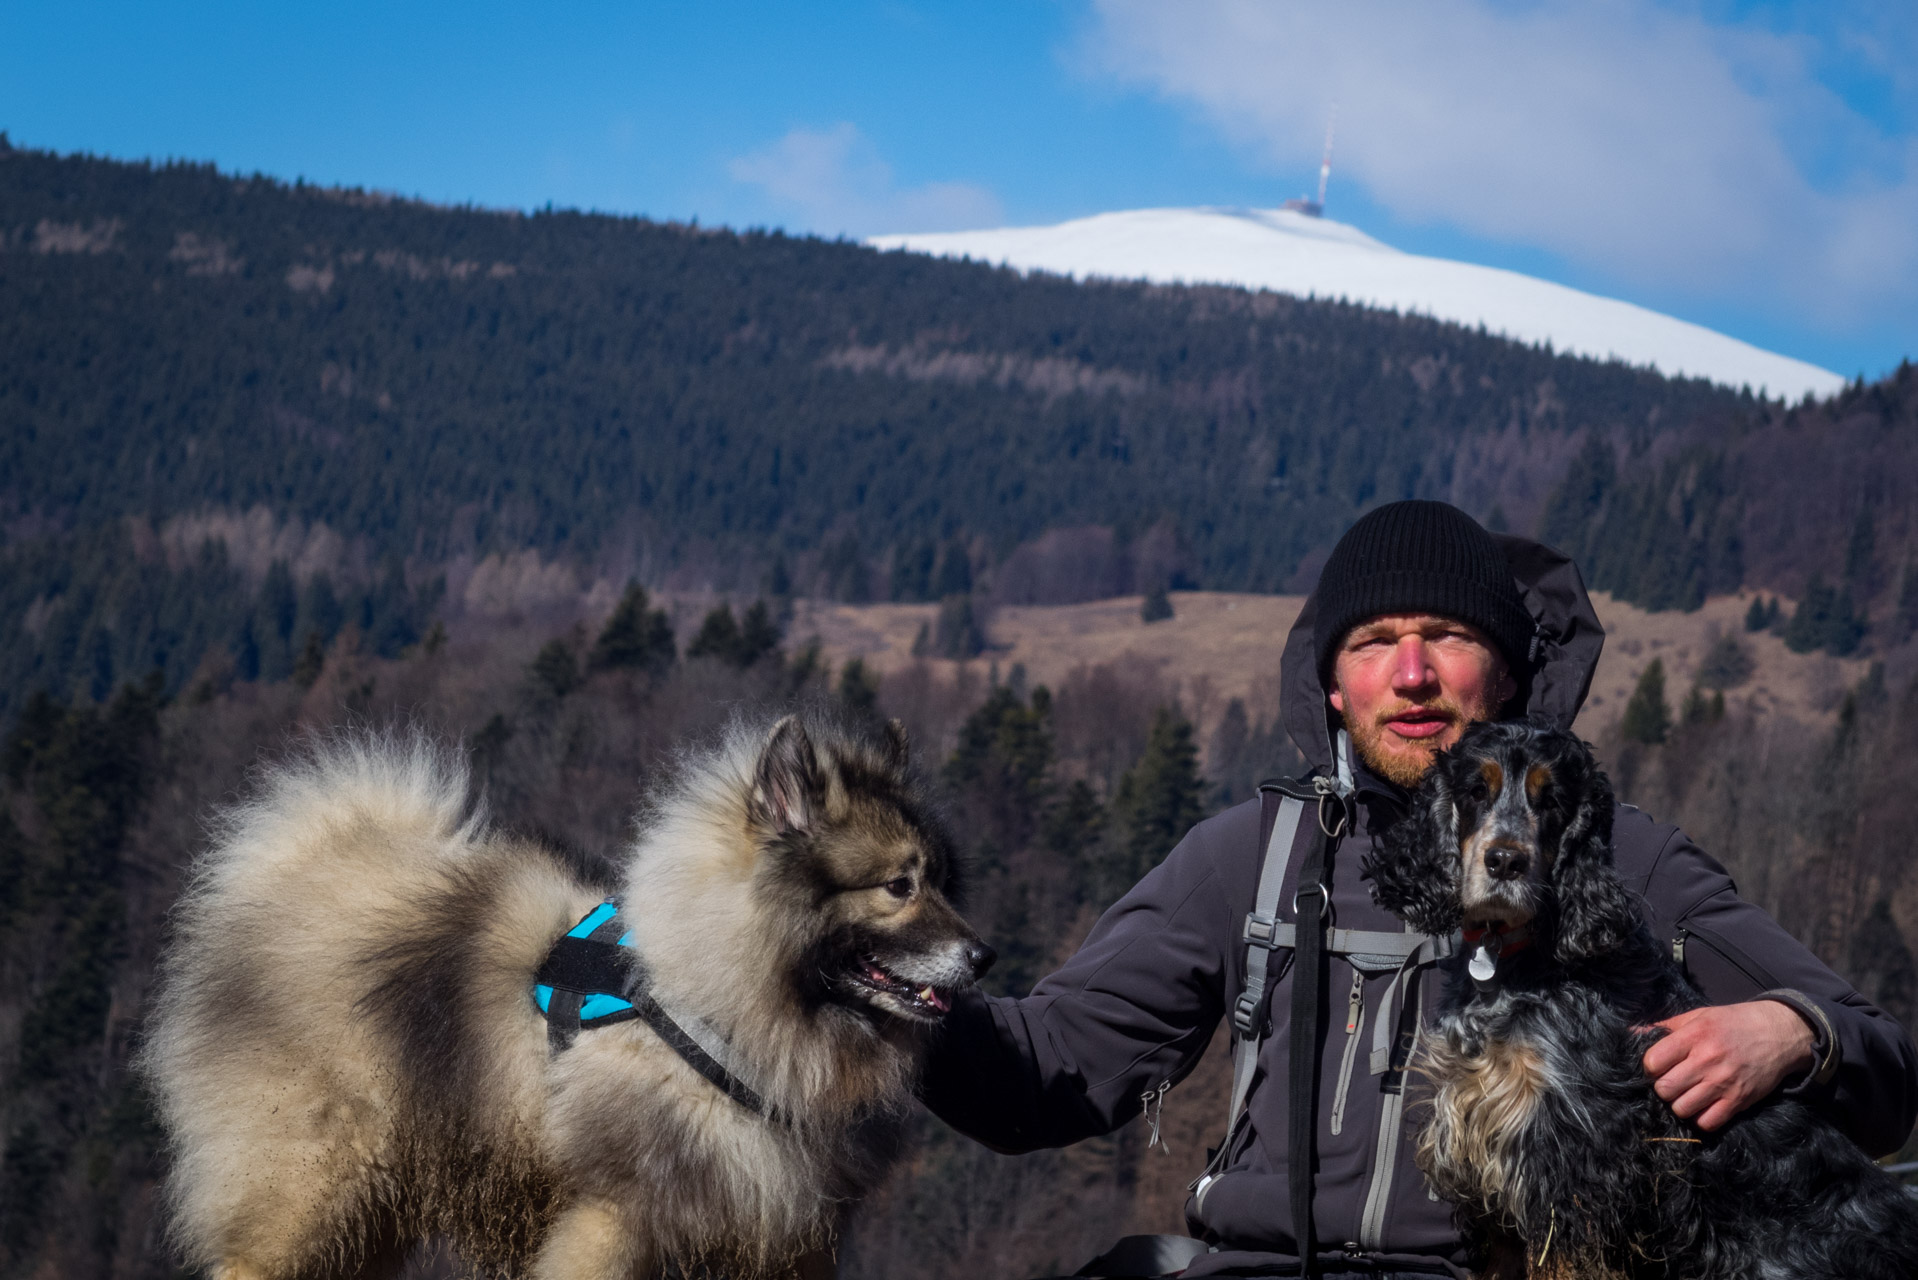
<point>1311,906</point>
<point>596,964</point>
<point>696,1057</point>
<point>579,967</point>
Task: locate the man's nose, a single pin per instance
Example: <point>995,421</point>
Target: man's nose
<point>1410,668</point>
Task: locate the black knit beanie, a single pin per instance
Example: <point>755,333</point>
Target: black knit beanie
<point>1420,557</point>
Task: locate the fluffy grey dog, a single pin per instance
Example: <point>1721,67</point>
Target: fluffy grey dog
<point>350,1061</point>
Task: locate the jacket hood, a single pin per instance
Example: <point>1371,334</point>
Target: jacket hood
<point>1566,648</point>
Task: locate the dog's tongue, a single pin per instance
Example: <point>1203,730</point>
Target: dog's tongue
<point>933,998</point>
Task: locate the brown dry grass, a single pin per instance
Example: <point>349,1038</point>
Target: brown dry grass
<point>1220,645</point>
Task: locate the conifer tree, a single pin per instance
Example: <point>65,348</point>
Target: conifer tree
<point>859,689</point>
<point>389,613</point>
<point>1072,827</point>
<point>1002,764</point>
<point>758,635</point>
<point>779,579</point>
<point>1726,665</point>
<point>1647,718</point>
<point>277,610</point>
<point>912,567</point>
<point>635,636</point>
<point>1825,619</point>
<point>319,609</point>
<point>1160,797</point>
<point>1157,607</point>
<point>956,632</point>
<point>717,637</point>
<point>555,669</point>
<point>310,662</point>
<point>953,577</point>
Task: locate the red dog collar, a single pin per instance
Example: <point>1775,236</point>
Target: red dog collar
<point>1500,940</point>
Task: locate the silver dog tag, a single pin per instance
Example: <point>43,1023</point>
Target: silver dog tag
<point>1484,964</point>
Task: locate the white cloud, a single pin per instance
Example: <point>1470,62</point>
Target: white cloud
<point>1643,141</point>
<point>833,182</point>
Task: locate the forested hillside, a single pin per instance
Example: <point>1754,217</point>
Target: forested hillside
<point>392,386</point>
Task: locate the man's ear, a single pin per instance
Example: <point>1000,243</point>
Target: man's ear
<point>1336,697</point>
<point>1507,686</point>
<point>788,787</point>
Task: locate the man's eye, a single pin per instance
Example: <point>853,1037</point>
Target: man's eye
<point>900,888</point>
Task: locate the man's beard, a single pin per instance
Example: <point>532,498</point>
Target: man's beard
<point>1412,759</point>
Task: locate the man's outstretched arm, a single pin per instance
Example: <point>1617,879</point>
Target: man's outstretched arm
<point>1133,1007</point>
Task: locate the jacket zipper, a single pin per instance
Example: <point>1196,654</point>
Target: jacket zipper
<point>1154,1109</point>
<point>1354,1023</point>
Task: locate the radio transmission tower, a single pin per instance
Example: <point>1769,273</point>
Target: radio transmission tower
<point>1305,205</point>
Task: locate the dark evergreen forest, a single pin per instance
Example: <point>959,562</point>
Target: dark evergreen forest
<point>703,407</point>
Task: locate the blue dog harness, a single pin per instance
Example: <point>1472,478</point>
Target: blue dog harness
<point>594,977</point>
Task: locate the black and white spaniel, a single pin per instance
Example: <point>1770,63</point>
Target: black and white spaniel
<point>1543,1127</point>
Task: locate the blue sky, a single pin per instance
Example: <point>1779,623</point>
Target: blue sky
<point>1752,167</point>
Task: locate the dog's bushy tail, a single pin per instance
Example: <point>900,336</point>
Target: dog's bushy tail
<point>296,877</point>
<point>400,782</point>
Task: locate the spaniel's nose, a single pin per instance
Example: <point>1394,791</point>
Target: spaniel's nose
<point>1506,864</point>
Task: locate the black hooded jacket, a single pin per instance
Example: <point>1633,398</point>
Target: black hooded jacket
<point>1139,1002</point>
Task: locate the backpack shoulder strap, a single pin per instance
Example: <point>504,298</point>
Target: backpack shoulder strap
<point>1282,806</point>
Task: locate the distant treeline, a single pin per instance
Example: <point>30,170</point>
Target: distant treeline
<point>706,408</point>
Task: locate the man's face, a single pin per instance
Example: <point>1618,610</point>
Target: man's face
<point>1407,685</point>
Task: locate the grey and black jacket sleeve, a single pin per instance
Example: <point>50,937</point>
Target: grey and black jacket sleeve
<point>1864,1075</point>
<point>1134,1007</point>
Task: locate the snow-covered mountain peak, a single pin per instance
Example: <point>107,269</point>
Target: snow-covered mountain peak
<point>1291,252</point>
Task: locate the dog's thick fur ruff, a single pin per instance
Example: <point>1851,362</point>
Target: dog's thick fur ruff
<point>349,1062</point>
<point>1543,1127</point>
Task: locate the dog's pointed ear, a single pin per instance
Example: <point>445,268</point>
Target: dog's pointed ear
<point>788,785</point>
<point>898,746</point>
<point>1595,912</point>
<point>1415,868</point>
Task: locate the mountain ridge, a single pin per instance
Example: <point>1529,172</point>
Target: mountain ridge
<point>1295,253</point>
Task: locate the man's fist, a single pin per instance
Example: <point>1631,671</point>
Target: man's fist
<point>1716,1061</point>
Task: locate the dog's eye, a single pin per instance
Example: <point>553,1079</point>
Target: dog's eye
<point>900,888</point>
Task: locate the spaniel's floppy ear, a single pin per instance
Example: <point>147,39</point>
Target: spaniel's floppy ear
<point>1415,870</point>
<point>1595,913</point>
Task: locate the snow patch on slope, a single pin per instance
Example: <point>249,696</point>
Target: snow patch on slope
<point>1290,252</point>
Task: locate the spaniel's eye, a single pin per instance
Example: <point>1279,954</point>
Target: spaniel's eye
<point>900,888</point>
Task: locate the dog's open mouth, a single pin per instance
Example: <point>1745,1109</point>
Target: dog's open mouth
<point>1498,917</point>
<point>921,1000</point>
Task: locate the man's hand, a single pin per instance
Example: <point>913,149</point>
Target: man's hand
<point>1716,1061</point>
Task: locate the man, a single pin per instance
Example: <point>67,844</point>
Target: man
<point>1422,623</point>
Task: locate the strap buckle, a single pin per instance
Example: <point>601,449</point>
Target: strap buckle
<point>1245,1013</point>
<point>1260,931</point>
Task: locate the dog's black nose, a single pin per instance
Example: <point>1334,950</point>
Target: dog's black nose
<point>1506,864</point>
<point>980,957</point>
